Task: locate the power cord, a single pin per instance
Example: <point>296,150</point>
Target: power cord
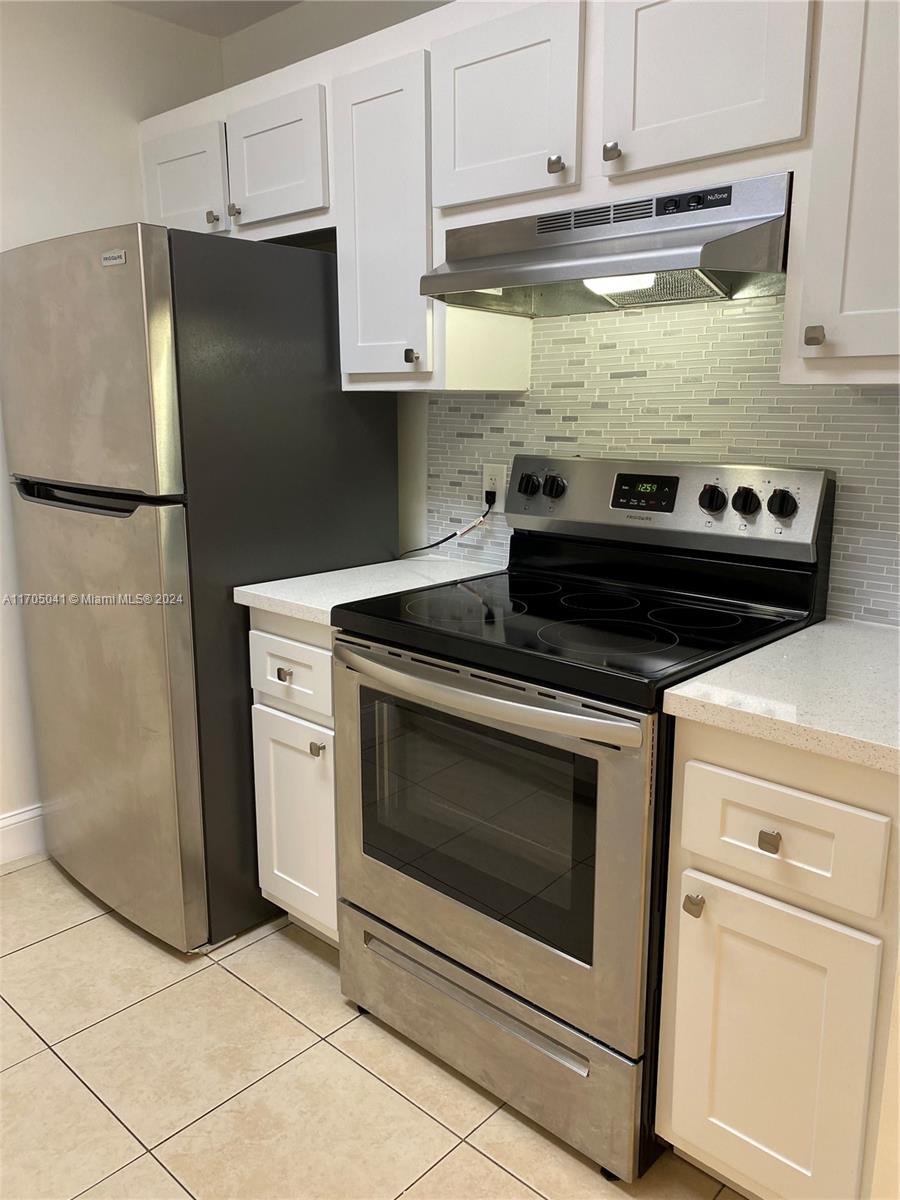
<point>490,499</point>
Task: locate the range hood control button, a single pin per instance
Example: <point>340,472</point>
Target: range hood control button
<point>745,501</point>
<point>781,503</point>
<point>529,485</point>
<point>712,499</point>
<point>554,486</point>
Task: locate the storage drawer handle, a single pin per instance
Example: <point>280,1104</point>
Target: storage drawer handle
<point>693,904</point>
<point>284,674</point>
<point>506,1021</point>
<point>769,841</point>
<point>316,749</point>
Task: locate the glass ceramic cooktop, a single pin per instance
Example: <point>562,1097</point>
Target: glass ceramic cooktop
<point>596,625</point>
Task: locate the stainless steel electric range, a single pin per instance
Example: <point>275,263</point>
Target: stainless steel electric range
<point>503,772</point>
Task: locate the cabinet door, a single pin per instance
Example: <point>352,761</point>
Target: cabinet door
<point>186,179</point>
<point>851,286</point>
<point>381,164</point>
<point>685,79</point>
<point>277,161</point>
<point>506,99</point>
<point>294,765</point>
<point>774,1020</point>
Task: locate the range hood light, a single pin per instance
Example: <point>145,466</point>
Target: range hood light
<point>613,285</point>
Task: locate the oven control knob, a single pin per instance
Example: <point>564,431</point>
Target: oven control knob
<point>781,503</point>
<point>712,499</point>
<point>745,501</point>
<point>529,485</point>
<point>554,486</point>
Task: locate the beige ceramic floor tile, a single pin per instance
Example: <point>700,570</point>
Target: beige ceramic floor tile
<point>299,972</point>
<point>441,1091</point>
<point>38,902</point>
<point>57,1138</point>
<point>561,1173</point>
<point>320,1127</point>
<point>247,939</point>
<point>143,1179</point>
<point>728,1194</point>
<point>17,1041</point>
<point>19,864</point>
<point>78,977</point>
<point>171,1058</point>
<point>467,1175</point>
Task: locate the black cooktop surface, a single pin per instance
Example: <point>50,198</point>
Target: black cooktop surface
<point>609,640</point>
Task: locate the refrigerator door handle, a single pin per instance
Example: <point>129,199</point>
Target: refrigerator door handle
<point>66,497</point>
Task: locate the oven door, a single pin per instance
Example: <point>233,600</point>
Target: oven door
<point>504,825</point>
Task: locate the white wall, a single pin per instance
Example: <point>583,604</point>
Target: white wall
<point>75,80</point>
<point>307,29</point>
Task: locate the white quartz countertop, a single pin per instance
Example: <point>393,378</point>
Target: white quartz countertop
<point>831,689</point>
<point>312,597</point>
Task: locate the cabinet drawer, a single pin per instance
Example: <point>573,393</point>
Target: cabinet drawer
<point>291,670</point>
<point>798,840</point>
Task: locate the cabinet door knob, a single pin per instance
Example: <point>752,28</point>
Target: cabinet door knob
<point>283,674</point>
<point>233,210</point>
<point>769,841</point>
<point>555,164</point>
<point>611,151</point>
<point>212,217</point>
<point>814,335</point>
<point>316,749</point>
<point>693,904</point>
<point>410,356</point>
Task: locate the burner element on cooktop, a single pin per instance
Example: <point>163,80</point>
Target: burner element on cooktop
<point>682,617</point>
<point>532,587</point>
<point>461,607</point>
<point>608,638</point>
<point>600,601</point>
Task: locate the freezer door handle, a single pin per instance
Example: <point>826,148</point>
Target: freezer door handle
<point>66,497</point>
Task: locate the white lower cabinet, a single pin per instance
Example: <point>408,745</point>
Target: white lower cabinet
<point>773,1035</point>
<point>294,765</point>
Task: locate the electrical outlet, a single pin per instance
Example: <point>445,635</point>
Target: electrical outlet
<point>493,477</point>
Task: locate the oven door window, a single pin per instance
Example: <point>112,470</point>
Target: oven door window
<point>503,824</point>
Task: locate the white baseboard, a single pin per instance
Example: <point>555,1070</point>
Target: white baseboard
<point>21,834</point>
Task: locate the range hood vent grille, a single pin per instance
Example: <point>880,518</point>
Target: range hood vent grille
<point>632,210</point>
<point>555,222</point>
<point>585,217</point>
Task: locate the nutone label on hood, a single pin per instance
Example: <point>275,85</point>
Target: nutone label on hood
<point>112,258</point>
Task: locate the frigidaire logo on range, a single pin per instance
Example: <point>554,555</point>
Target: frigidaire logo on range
<point>636,517</point>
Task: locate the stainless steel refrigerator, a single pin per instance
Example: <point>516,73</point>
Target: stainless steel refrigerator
<point>175,426</point>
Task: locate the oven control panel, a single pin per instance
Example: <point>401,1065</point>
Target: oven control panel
<point>769,512</point>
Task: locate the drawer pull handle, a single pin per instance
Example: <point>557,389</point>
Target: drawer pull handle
<point>769,841</point>
<point>284,674</point>
<point>316,749</point>
<point>693,904</point>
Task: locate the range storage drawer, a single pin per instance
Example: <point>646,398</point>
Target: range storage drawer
<point>568,1083</point>
<point>291,670</point>
<point>808,843</point>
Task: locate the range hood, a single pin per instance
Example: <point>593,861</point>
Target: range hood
<point>725,242</point>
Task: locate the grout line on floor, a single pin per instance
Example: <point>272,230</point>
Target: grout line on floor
<point>302,1024</point>
<point>97,1182</point>
<point>248,946</point>
<point>111,1111</point>
<point>402,1095</point>
<point>427,1169</point>
<point>37,941</point>
<point>25,866</point>
<point>169,1136</point>
<point>133,1004</point>
<point>508,1170</point>
<point>45,1045</point>
<point>172,1175</point>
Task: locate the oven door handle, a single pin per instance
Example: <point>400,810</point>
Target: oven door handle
<point>479,699</point>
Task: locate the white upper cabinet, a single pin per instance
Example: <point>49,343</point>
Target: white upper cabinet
<point>381,163</point>
<point>277,157</point>
<point>686,79</point>
<point>774,1027</point>
<point>505,101</point>
<point>186,179</point>
<point>851,303</point>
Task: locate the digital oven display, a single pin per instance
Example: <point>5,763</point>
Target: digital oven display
<point>653,493</point>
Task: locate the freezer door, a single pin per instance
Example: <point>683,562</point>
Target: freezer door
<point>87,373</point>
<point>112,692</point>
